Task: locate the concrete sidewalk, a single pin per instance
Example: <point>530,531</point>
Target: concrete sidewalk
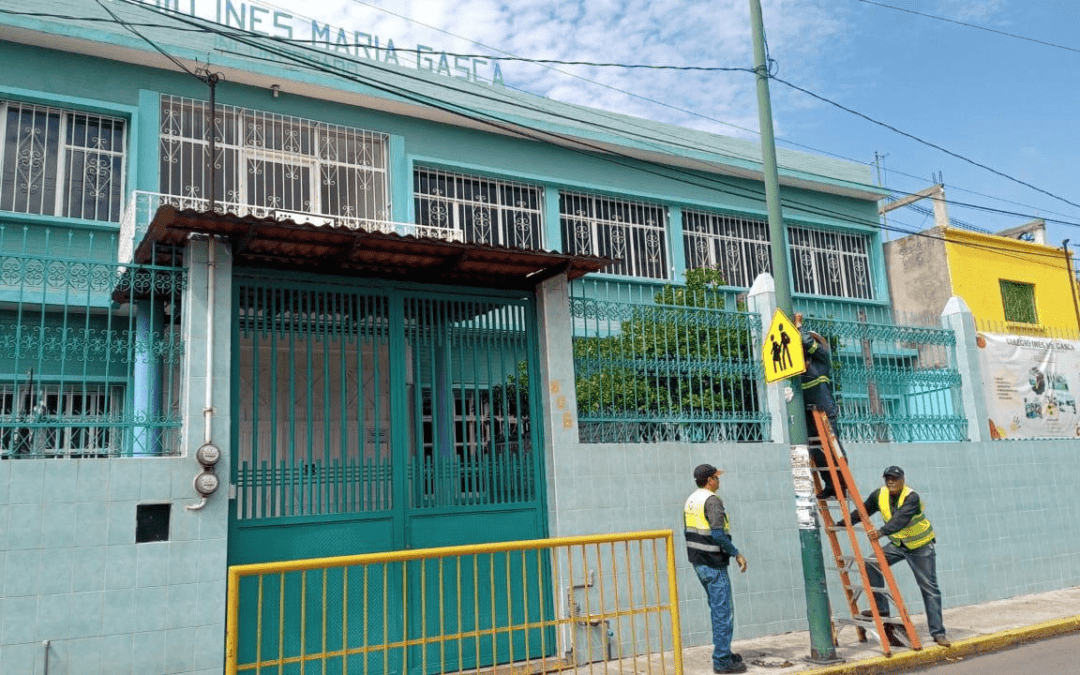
<point>973,630</point>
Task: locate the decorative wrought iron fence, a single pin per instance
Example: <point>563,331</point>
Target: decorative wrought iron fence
<point>892,382</point>
<point>89,356</point>
<point>666,363</point>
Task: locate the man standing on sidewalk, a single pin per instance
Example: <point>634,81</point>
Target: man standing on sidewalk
<point>911,538</point>
<point>709,548</point>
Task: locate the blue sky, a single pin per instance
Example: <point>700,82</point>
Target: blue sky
<point>1007,103</point>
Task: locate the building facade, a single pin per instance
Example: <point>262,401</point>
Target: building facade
<point>351,306</point>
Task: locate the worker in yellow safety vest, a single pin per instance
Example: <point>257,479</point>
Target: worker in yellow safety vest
<point>709,548</point>
<point>911,537</point>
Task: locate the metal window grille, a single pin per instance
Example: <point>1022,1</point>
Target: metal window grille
<point>1018,300</point>
<point>61,420</point>
<point>634,233</point>
<point>737,247</point>
<point>58,162</point>
<point>830,263</point>
<point>486,210</point>
<point>273,165</point>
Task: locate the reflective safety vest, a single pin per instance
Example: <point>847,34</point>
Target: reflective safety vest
<point>701,548</point>
<point>918,532</point>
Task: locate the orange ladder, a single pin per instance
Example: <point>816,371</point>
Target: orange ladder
<point>854,563</point>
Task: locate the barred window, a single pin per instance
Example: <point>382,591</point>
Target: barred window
<point>485,210</point>
<point>57,162</point>
<point>633,233</point>
<point>1018,299</point>
<point>270,164</point>
<point>737,247</point>
<point>60,420</point>
<point>830,263</point>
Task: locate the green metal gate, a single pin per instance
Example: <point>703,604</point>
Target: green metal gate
<point>370,418</point>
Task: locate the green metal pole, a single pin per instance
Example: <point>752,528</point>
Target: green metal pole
<point>817,595</point>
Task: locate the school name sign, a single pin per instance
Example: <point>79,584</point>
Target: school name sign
<point>265,19</point>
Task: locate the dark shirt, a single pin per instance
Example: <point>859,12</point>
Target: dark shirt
<point>900,516</point>
<point>818,369</point>
<point>714,513</point>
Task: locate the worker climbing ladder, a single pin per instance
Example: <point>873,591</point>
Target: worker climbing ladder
<point>855,564</point>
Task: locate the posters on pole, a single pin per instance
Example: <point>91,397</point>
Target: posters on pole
<point>1031,385</point>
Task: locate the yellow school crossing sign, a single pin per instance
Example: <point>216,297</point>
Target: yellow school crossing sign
<point>782,352</point>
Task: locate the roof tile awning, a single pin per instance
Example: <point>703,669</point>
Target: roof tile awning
<point>284,244</point>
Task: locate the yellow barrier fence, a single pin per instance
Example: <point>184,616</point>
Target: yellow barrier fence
<point>607,603</point>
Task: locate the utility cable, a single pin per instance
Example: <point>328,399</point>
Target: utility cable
<point>573,144</point>
<point>971,25</point>
<point>129,25</point>
<point>920,140</point>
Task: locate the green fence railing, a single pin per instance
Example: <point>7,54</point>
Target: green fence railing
<point>893,382</point>
<point>90,356</point>
<point>666,363</point>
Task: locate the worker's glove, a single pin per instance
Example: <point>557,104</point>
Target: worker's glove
<point>788,394</point>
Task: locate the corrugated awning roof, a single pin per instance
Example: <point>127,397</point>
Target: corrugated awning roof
<point>284,244</point>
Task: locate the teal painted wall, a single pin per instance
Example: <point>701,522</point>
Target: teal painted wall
<point>1004,512</point>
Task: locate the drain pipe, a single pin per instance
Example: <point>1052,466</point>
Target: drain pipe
<point>208,409</point>
<point>45,645</point>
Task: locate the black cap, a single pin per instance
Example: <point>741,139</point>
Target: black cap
<point>703,472</point>
<point>893,471</point>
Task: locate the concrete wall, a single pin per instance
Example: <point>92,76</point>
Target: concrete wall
<point>1004,512</point>
<point>918,273</point>
<point>71,571</point>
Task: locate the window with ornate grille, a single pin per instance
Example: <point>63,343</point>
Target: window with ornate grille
<point>268,164</point>
<point>485,210</point>
<point>830,263</point>
<point>1018,299</point>
<point>53,420</point>
<point>633,233</point>
<point>56,162</point>
<point>737,247</point>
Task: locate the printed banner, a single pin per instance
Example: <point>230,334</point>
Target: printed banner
<point>1031,385</point>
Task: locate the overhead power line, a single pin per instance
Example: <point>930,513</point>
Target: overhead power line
<point>130,26</point>
<point>921,140</point>
<point>572,144</point>
<point>971,25</point>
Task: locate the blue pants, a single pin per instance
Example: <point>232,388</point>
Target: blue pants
<point>923,563</point>
<point>722,611</point>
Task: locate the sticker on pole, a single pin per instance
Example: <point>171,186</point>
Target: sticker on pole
<point>782,352</point>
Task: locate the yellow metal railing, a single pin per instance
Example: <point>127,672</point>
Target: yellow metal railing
<point>603,601</point>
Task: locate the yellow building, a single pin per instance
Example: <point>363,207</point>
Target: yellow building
<point>1010,285</point>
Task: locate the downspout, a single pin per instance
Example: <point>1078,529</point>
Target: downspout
<point>208,409</point>
<point>1072,281</point>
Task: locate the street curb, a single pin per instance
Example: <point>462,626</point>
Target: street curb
<point>933,654</point>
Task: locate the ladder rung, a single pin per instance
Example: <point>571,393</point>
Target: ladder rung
<point>882,590</point>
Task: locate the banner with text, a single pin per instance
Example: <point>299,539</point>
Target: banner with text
<point>1031,385</point>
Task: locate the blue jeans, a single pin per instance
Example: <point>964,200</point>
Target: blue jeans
<point>923,563</point>
<point>721,609</point>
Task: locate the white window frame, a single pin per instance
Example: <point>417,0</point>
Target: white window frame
<point>514,224</point>
<point>243,136</point>
<point>634,233</point>
<point>738,247</point>
<point>829,263</point>
<point>35,162</point>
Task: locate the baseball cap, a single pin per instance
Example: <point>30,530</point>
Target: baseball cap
<point>894,471</point>
<point>704,471</point>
